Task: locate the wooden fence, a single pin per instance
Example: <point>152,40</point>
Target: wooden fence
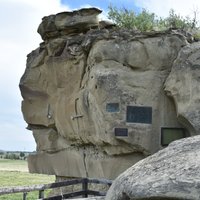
<point>41,188</point>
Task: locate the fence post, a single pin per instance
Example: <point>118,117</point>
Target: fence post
<point>85,187</point>
<point>24,195</point>
<point>41,194</point>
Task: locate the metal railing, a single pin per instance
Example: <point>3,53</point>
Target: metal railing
<point>84,192</point>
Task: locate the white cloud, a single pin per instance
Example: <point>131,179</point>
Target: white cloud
<point>19,20</point>
<point>161,8</point>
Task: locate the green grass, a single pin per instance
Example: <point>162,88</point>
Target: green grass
<point>13,165</point>
<point>15,173</point>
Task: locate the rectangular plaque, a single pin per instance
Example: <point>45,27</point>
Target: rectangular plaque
<point>168,135</point>
<point>121,132</point>
<point>139,114</point>
<point>112,107</point>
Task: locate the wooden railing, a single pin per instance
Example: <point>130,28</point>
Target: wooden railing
<point>41,188</point>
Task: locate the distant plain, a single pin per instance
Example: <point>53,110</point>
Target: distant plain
<point>15,173</point>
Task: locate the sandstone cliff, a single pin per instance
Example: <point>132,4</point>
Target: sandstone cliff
<point>99,99</point>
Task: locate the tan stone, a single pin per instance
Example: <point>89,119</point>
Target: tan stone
<point>172,173</point>
<point>110,167</point>
<point>70,80</point>
<point>69,23</point>
<point>63,163</point>
<point>183,86</point>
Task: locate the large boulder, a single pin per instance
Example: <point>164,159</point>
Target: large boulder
<point>172,173</point>
<point>69,23</point>
<point>183,86</point>
<point>95,99</point>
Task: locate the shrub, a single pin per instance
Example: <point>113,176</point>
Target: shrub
<point>147,21</point>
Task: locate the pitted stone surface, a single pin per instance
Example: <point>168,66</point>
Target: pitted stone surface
<point>172,173</point>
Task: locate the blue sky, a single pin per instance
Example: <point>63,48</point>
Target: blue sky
<point>19,20</point>
<point>103,4</point>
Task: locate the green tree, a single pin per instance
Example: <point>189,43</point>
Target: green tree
<point>11,156</point>
<point>122,17</point>
<point>147,21</point>
<point>22,154</point>
<point>176,21</point>
<point>129,19</point>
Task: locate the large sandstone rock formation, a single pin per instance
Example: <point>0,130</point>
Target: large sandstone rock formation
<point>98,99</point>
<point>172,173</point>
<point>183,85</point>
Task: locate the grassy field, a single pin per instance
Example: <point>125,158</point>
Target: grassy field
<point>15,173</point>
<point>13,165</point>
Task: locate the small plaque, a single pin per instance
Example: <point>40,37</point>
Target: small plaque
<point>121,132</point>
<point>139,114</point>
<point>169,135</point>
<point>112,107</point>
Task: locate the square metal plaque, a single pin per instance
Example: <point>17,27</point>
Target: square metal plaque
<point>112,107</point>
<point>139,114</point>
<point>121,132</point>
<point>169,135</point>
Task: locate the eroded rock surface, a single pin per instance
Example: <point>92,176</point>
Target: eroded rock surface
<point>69,23</point>
<point>172,173</point>
<point>94,97</point>
<point>183,85</point>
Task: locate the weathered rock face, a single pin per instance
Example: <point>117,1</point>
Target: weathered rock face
<point>94,99</point>
<point>184,87</point>
<point>69,23</point>
<point>172,173</point>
